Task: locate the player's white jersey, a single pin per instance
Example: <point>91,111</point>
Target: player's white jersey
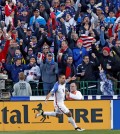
<point>34,71</point>
<point>59,93</point>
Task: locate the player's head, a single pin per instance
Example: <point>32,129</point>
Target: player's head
<point>61,78</point>
<point>73,87</point>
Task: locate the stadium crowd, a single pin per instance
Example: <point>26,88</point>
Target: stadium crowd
<point>45,38</point>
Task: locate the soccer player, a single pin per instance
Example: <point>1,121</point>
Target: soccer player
<point>60,108</point>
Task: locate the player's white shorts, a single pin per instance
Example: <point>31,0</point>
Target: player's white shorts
<point>61,109</point>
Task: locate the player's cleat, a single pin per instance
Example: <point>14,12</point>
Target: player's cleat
<point>79,129</point>
<point>39,114</point>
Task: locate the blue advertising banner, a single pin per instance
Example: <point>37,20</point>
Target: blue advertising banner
<point>116,114</point>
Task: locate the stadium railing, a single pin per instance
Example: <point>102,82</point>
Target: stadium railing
<point>86,87</point>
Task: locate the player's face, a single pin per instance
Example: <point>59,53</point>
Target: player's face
<point>62,80</point>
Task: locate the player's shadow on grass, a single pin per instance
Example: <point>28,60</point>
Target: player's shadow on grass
<point>44,117</point>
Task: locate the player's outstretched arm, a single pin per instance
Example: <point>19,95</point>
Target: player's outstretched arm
<point>48,96</point>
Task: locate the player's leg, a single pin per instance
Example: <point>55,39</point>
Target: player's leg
<point>67,112</point>
<point>72,121</point>
<point>55,113</point>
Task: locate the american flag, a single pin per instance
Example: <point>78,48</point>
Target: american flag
<point>87,40</point>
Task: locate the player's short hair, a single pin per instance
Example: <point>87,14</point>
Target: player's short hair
<point>60,75</point>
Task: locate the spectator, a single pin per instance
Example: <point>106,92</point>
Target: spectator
<point>79,52</point>
<point>4,52</point>
<point>22,88</point>
<point>11,50</point>
<point>26,55</point>
<point>69,68</point>
<point>106,84</point>
<point>63,53</point>
<point>66,28</point>
<point>41,57</point>
<point>16,68</point>
<point>33,75</point>
<point>49,70</point>
<point>17,53</point>
<point>74,94</point>
<point>37,19</point>
<point>9,12</point>
<point>85,70</point>
<point>108,63</point>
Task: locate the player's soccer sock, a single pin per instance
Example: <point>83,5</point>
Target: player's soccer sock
<point>71,120</point>
<point>50,113</point>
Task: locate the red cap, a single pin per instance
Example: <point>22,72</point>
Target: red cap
<point>106,49</point>
<point>79,41</point>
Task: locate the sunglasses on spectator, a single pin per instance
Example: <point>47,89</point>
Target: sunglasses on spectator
<point>45,47</point>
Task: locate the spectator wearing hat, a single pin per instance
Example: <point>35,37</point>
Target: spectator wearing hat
<point>25,36</point>
<point>62,10</point>
<point>99,11</point>
<point>34,44</point>
<point>37,19</point>
<point>108,63</point>
<point>49,70</point>
<point>33,74</point>
<point>25,54</point>
<point>62,7</point>
<point>16,68</point>
<point>85,27</point>
<point>111,18</point>
<point>18,53</point>
<point>79,52</point>
<point>43,12</point>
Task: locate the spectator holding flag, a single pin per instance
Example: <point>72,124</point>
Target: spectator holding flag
<point>106,85</point>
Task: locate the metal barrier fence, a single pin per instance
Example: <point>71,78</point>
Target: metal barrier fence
<point>86,87</point>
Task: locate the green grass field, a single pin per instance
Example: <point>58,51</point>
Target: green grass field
<point>66,132</point>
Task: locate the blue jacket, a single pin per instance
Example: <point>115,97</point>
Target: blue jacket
<point>77,57</point>
<point>39,20</point>
<point>15,70</point>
